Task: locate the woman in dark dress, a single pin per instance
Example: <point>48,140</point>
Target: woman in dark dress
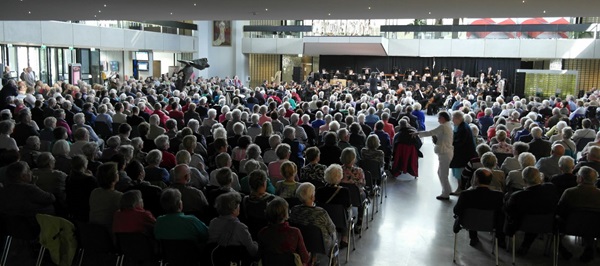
<point>464,147</point>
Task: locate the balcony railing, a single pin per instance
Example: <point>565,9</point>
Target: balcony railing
<point>168,27</point>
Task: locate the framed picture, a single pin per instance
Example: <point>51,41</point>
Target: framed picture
<point>222,33</point>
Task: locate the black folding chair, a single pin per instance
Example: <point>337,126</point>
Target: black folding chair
<point>373,192</point>
<point>23,228</point>
<point>115,128</point>
<point>226,256</point>
<point>342,221</point>
<point>357,202</point>
<point>273,259</point>
<point>581,143</point>
<point>103,130</point>
<point>96,239</point>
<point>180,252</point>
<point>538,224</point>
<point>313,240</point>
<point>377,173</point>
<point>137,248</point>
<point>501,157</point>
<point>581,223</point>
<point>478,220</point>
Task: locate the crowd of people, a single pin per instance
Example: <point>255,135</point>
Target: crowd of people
<point>223,165</point>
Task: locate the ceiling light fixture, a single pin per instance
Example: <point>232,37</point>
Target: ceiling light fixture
<point>328,14</point>
<point>95,16</point>
<point>523,1</point>
<point>104,5</point>
<point>99,11</point>
<point>369,8</point>
<point>194,4</point>
<point>544,12</point>
<point>266,9</point>
<point>429,12</point>
<point>29,12</point>
<point>171,13</point>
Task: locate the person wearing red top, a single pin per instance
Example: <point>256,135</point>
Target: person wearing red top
<point>131,217</point>
<point>387,127</point>
<point>279,237</point>
<point>158,111</point>
<point>176,114</point>
<point>168,159</point>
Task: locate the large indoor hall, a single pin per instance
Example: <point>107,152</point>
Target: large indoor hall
<point>299,133</point>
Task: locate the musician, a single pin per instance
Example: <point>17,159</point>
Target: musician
<point>373,83</point>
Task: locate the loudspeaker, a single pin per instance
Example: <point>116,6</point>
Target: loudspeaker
<point>519,86</point>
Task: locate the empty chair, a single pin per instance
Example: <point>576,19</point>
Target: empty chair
<point>372,191</point>
<point>582,223</point>
<point>96,239</point>
<point>476,220</point>
<point>313,240</point>
<point>137,248</point>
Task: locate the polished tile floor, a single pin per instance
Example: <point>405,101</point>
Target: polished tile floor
<point>413,228</point>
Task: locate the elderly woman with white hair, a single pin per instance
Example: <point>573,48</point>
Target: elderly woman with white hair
<point>6,141</point>
<point>211,119</point>
<point>60,151</point>
<point>252,153</point>
<point>309,214</point>
<point>514,180</point>
<point>155,174</point>
<point>79,120</point>
<point>333,193</point>
<point>254,129</point>
<point>48,179</point>
<point>162,143</point>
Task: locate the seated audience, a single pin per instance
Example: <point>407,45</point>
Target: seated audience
<point>175,225</point>
<point>131,216</point>
<point>105,200</point>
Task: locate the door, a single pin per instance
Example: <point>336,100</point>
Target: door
<point>156,68</point>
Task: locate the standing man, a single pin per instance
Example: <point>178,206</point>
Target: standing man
<point>442,138</point>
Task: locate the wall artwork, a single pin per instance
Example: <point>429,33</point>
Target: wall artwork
<point>222,33</point>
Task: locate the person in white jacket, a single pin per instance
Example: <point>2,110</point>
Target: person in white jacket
<point>443,135</point>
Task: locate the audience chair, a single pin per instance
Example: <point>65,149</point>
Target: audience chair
<point>180,252</point>
<point>372,192</point>
<point>581,143</point>
<point>96,239</point>
<point>225,256</point>
<point>313,240</point>
<point>538,224</point>
<point>23,228</point>
<point>103,130</point>
<point>342,221</point>
<point>378,174</point>
<point>581,223</point>
<point>115,128</point>
<point>56,230</point>
<point>137,247</point>
<point>272,259</point>
<point>358,203</point>
<point>204,130</point>
<point>477,220</point>
<point>501,157</point>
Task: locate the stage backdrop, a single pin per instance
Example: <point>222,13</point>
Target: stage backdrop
<point>471,66</point>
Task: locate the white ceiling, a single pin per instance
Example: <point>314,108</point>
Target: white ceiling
<point>141,10</point>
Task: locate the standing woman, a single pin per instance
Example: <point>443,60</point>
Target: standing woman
<point>444,149</point>
<point>464,147</point>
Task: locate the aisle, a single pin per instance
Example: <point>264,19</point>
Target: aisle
<point>414,229</point>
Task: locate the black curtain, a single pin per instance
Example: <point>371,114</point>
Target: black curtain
<point>470,65</point>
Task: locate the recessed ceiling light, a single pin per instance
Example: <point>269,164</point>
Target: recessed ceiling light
<point>329,14</point>
<point>171,13</point>
<point>266,9</point>
<point>95,16</point>
<point>369,7</point>
<point>29,12</point>
<point>104,5</point>
<point>523,1</point>
<point>544,11</point>
<point>429,12</point>
<point>99,11</point>
<point>194,4</point>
